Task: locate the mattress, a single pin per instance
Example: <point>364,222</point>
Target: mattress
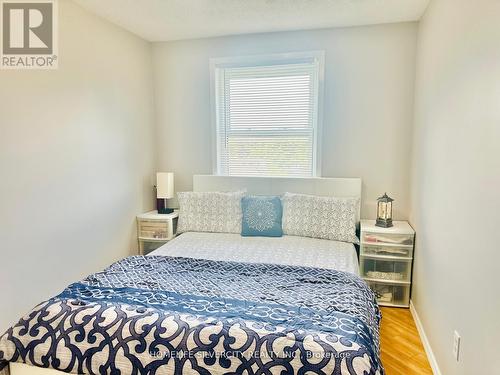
<point>286,250</point>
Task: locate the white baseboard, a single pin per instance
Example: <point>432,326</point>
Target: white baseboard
<point>425,341</point>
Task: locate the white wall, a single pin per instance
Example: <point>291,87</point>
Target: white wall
<point>456,180</point>
<point>76,159</point>
<point>368,114</point>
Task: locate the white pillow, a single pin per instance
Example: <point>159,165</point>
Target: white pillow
<point>320,217</point>
<point>210,212</point>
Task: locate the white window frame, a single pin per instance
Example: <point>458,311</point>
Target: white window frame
<point>270,59</point>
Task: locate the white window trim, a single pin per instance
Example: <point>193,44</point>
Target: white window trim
<point>255,60</point>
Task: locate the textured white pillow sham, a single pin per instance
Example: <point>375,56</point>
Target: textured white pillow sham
<point>210,212</point>
<point>329,218</point>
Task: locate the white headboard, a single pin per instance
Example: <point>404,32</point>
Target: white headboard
<point>333,187</point>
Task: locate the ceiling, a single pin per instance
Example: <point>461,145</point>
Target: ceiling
<point>164,20</point>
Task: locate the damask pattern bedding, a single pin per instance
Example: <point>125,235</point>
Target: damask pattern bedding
<point>174,315</point>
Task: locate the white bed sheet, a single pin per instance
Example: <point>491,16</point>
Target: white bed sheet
<point>290,250</point>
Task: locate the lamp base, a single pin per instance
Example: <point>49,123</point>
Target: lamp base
<point>161,207</point>
<point>387,223</point>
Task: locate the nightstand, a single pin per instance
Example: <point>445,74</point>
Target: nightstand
<point>386,258</point>
<point>155,230</point>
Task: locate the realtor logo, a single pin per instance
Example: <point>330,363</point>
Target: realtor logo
<point>29,39</point>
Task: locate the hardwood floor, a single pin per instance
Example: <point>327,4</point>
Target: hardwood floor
<point>401,349</point>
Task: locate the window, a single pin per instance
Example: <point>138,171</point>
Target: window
<point>266,115</point>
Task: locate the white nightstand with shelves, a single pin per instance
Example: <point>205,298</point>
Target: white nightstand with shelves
<point>155,230</point>
<point>386,258</point>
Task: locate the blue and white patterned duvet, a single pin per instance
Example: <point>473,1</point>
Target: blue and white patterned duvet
<point>172,315</point>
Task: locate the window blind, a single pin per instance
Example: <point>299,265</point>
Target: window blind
<point>266,119</point>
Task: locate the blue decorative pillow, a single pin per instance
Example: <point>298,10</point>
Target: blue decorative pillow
<point>261,216</point>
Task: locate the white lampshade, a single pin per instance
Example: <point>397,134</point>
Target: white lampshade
<point>164,185</point>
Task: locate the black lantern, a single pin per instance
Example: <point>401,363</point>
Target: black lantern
<point>384,211</point>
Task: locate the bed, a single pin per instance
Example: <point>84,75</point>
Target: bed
<point>212,303</point>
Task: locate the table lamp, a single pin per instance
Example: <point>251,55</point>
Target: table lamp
<point>164,191</point>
